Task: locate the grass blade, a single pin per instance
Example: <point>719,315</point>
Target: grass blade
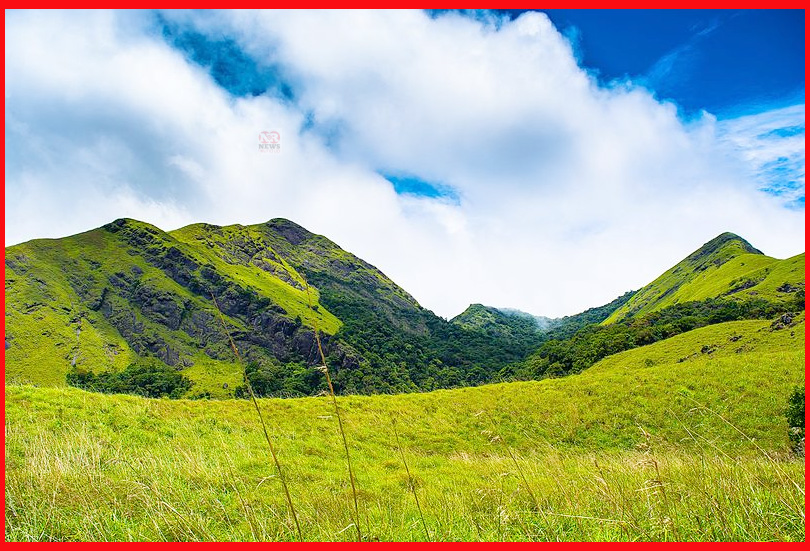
<point>325,369</point>
<point>270,446</point>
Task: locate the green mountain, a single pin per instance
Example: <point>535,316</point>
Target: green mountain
<point>103,300</point>
<point>725,280</point>
<point>544,323</point>
<point>526,331</point>
<point>671,426</point>
<point>511,324</point>
<point>128,306</point>
<point>567,326</point>
<point>728,268</point>
<point>99,300</point>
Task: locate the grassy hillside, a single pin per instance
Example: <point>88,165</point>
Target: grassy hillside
<point>726,267</point>
<point>285,250</point>
<point>97,302</point>
<point>683,439</point>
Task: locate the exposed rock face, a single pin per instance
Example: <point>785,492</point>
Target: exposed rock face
<point>783,321</point>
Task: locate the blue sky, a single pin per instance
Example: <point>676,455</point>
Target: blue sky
<point>728,62</point>
<point>542,161</point>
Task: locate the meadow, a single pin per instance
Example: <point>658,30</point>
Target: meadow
<point>684,439</point>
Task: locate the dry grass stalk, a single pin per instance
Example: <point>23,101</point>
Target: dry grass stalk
<point>270,446</point>
<point>410,479</point>
<point>325,369</point>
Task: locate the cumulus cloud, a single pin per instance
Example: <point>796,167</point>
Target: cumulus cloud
<point>564,193</point>
<point>771,145</point>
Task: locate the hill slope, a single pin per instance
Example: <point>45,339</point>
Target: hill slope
<point>98,300</point>
<point>726,267</point>
<point>522,329</point>
<point>595,450</point>
<point>525,332</point>
<point>101,300</point>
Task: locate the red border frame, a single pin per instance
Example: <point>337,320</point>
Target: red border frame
<point>401,5</point>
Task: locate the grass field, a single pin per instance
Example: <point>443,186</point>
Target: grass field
<point>681,440</point>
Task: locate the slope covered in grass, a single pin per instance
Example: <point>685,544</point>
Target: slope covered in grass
<point>725,267</point>
<point>682,439</point>
<point>98,301</point>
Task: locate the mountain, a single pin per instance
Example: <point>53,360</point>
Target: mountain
<point>509,322</point>
<point>129,304</point>
<point>520,329</point>
<point>697,388</point>
<point>109,298</point>
<point>727,268</point>
<point>101,299</point>
<point>543,323</point>
<point>499,321</point>
<point>561,328</point>
<point>725,280</point>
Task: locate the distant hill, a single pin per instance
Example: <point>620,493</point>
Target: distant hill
<point>725,280</point>
<point>727,267</point>
<point>520,330</point>
<point>543,323</point>
<point>531,329</point>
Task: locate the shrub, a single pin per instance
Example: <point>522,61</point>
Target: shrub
<point>147,377</point>
<point>795,418</point>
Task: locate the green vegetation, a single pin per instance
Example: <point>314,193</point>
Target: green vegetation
<point>522,328</point>
<point>246,255</point>
<point>95,303</point>
<point>291,380</point>
<point>98,301</point>
<point>592,343</point>
<point>795,418</point>
<point>726,267</point>
<point>146,377</point>
<point>566,327</point>
<point>663,442</point>
<point>670,426</point>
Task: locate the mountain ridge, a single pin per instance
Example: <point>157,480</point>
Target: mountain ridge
<point>102,299</point>
<point>108,298</point>
<point>727,266</point>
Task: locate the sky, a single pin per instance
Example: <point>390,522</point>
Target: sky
<point>547,162</point>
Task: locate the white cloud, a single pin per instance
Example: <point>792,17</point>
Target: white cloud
<point>771,146</point>
<point>570,193</point>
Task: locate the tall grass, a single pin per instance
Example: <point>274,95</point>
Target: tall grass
<point>612,454</point>
<point>411,484</point>
<point>172,474</point>
<point>270,445</point>
<point>325,370</point>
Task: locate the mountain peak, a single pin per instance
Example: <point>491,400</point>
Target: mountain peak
<point>289,230</point>
<point>723,247</point>
<point>728,267</point>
